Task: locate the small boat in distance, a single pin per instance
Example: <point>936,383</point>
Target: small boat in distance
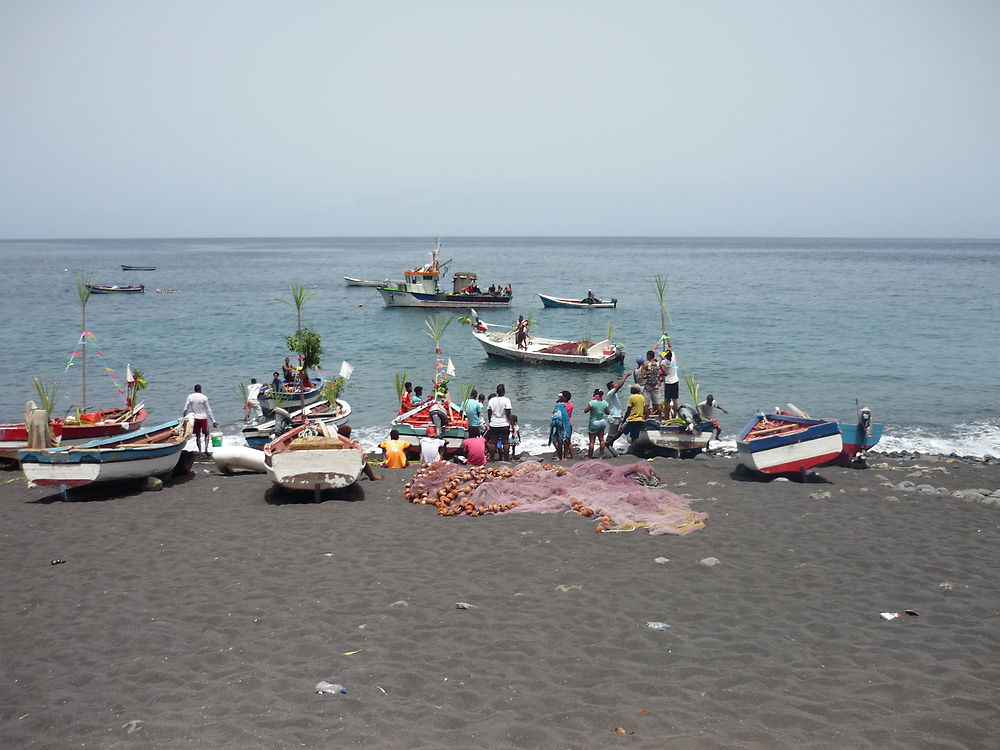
<point>588,301</point>
<point>421,287</point>
<point>780,443</point>
<point>168,291</point>
<point>138,268</point>
<point>104,289</point>
<point>541,351</point>
<point>145,453</point>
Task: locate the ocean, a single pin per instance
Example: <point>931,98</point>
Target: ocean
<point>908,328</point>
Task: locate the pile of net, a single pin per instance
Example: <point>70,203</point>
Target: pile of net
<point>619,498</point>
<point>567,347</point>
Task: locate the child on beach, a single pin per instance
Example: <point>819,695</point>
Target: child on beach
<point>515,437</point>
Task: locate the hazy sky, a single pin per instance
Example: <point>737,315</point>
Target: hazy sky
<point>128,118</point>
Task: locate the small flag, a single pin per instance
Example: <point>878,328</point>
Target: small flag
<point>451,368</point>
<point>129,377</point>
<point>346,370</point>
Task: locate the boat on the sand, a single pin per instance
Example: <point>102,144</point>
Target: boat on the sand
<point>412,425</point>
<point>586,302</point>
<point>780,443</point>
<point>313,456</point>
<point>501,342</point>
<point>154,451</point>
<point>683,437</point>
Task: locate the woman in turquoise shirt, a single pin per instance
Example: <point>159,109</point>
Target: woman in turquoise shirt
<point>597,409</point>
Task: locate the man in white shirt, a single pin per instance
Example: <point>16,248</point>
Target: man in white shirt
<point>707,411</point>
<point>671,382</point>
<point>431,447</point>
<point>197,406</point>
<point>254,412</point>
<point>498,412</point>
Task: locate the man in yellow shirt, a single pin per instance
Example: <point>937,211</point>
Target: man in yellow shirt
<point>635,414</point>
<point>395,451</point>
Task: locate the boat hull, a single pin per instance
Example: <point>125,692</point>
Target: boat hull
<point>809,443</point>
<point>673,441</point>
<point>289,400</point>
<point>299,460</point>
<point>138,268</point>
<point>108,460</point>
<point>558,302</point>
<point>502,345</point>
<point>400,298</point>
<point>351,281</point>
<point>259,435</point>
<point>857,440</point>
<point>412,426</point>
<point>100,289</point>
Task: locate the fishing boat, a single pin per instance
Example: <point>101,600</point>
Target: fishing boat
<point>586,302</point>
<point>138,268</point>
<point>75,430</point>
<point>859,437</point>
<point>14,437</point>
<point>153,451</point>
<point>779,443</point>
<point>544,351</point>
<point>268,401</point>
<point>105,289</point>
<point>313,457</point>
<point>421,287</point>
<point>412,425</point>
<point>168,291</point>
<point>351,281</point>
<point>261,432</point>
<point>683,437</point>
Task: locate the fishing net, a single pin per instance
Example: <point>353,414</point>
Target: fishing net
<point>620,498</point>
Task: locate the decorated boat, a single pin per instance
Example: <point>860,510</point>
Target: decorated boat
<point>75,430</point>
<point>779,443</point>
<point>259,433</point>
<point>153,451</point>
<point>105,289</point>
<point>412,425</point>
<point>14,437</point>
<point>501,342</point>
<point>683,437</point>
<point>289,399</point>
<point>313,457</point>
<point>587,302</point>
<point>421,287</point>
<point>138,268</point>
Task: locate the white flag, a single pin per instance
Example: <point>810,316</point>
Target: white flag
<point>451,369</point>
<point>129,377</point>
<point>346,370</point>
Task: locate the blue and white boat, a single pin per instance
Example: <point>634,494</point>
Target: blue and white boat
<point>260,433</point>
<point>780,443</point>
<point>144,453</point>
<point>289,399</point>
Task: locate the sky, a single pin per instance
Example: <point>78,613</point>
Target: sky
<point>219,118</point>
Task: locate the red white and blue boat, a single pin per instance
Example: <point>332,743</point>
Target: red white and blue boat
<point>150,452</point>
<point>780,443</point>
<point>586,302</point>
<point>421,287</point>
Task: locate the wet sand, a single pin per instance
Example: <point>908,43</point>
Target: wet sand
<point>203,616</point>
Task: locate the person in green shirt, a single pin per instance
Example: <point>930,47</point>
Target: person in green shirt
<point>598,425</point>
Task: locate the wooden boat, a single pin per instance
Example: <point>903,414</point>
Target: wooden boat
<point>544,351</point>
<point>351,281</point>
<point>421,287</point>
<point>258,434</point>
<point>412,426</point>
<point>168,291</point>
<point>684,437</point>
<point>145,453</point>
<point>313,457</point>
<point>75,430</point>
<point>104,289</point>
<point>779,443</point>
<point>586,302</point>
<point>289,399</point>
<point>859,437</point>
<point>138,268</point>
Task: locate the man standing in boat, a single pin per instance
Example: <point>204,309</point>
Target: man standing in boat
<point>521,333</point>
<point>197,406</point>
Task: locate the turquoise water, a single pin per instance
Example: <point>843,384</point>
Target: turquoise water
<point>909,328</point>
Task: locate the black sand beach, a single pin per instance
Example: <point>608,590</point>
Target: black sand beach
<point>203,616</point>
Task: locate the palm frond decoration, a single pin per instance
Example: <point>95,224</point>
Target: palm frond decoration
<point>83,283</point>
<point>400,378</point>
<point>464,390</point>
<point>300,295</point>
<point>48,394</point>
<point>693,387</point>
<point>661,293</point>
<point>437,324</point>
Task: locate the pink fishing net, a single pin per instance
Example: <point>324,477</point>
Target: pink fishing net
<point>620,498</point>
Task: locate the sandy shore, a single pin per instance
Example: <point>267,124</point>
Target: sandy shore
<point>203,615</point>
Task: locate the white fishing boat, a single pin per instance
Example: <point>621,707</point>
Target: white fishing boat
<point>260,432</point>
<point>153,451</point>
<point>351,281</point>
<point>313,457</point>
<point>501,342</point>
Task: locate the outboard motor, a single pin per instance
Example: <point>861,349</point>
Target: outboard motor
<point>865,421</point>
<point>282,421</point>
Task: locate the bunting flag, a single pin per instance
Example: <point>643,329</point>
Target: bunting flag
<point>81,346</point>
<point>451,368</point>
<point>346,370</point>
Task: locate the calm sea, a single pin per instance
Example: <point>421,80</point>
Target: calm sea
<point>909,328</point>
